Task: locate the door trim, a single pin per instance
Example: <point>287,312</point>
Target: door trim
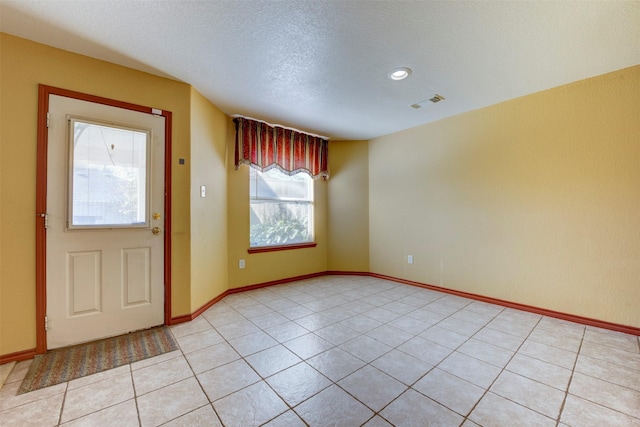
<point>44,92</point>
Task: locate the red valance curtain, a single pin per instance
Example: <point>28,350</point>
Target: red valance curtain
<point>264,147</point>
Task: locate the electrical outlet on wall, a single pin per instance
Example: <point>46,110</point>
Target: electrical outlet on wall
<point>409,259</point>
<point>241,263</point>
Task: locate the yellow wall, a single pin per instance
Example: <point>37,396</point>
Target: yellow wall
<point>208,214</point>
<point>265,267</point>
<point>348,206</point>
<point>534,200</point>
<point>23,65</point>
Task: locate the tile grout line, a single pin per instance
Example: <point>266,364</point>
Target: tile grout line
<point>502,370</point>
<point>573,370</point>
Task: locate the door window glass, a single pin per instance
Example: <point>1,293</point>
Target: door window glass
<point>108,177</point>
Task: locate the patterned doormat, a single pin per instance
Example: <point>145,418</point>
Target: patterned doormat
<point>65,364</point>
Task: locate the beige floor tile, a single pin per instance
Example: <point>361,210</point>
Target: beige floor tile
<point>252,343</point>
<point>338,333</point>
<point>295,312</point>
<point>124,414</point>
<point>611,354</point>
<point>399,307</point>
<point>335,363</point>
<point>10,399</point>
<point>444,337</point>
<point>280,304</point>
<point>19,371</point>
<point>409,324</point>
<point>201,417</point>
<point>541,371</point>
<point>308,345</point>
<point>315,321</point>
<point>220,318</point>
<point>5,370</point>
<point>450,391</point>
<point>389,335</point>
<point>365,348</point>
<point>361,323</point>
<point>496,411</point>
<point>521,317</point>
<point>333,407</point>
<point>227,379</point>
<point>427,316</point>
<point>547,353</point>
<point>267,320</point>
<point>610,372</point>
<point>96,396</point>
<point>557,338</point>
<point>512,328</point>
<point>288,419</point>
<point>211,357</point>
<point>613,339</point>
<point>161,375</point>
<point>170,402</point>
<point>531,394</point>
<point>100,376</point>
<point>402,366</point>
<point>251,406</point>
<point>198,340</point>
<point>581,412</point>
<point>606,394</point>
<point>155,360</point>
<point>372,387</point>
<point>489,353</point>
<point>286,331</point>
<point>499,338</point>
<point>485,308</point>
<point>412,409</point>
<point>40,413</point>
<point>460,326</point>
<point>396,336</point>
<point>470,369</point>
<point>472,317</point>
<point>198,324</point>
<point>377,421</point>
<point>298,383</point>
<point>382,315</point>
<point>254,310</point>
<point>425,350</point>
<point>272,360</point>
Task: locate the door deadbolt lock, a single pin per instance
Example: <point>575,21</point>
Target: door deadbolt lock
<point>155,230</point>
<point>156,216</point>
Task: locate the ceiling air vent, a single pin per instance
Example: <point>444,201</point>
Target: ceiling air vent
<point>434,99</point>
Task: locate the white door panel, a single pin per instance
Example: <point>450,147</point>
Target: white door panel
<point>105,274</point>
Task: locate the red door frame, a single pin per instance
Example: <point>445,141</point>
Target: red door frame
<point>44,92</point>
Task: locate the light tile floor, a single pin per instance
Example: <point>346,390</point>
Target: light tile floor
<point>352,351</point>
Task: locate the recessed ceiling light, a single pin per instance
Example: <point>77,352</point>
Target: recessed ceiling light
<point>400,73</point>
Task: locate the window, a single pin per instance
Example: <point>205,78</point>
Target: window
<point>281,208</point>
<point>108,174</point>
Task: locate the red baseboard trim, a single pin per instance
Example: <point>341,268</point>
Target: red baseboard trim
<point>543,311</point>
<point>276,282</point>
<point>198,312</point>
<point>18,356</point>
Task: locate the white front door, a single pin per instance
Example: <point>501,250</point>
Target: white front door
<point>105,206</point>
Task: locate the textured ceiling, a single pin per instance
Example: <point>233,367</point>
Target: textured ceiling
<point>321,66</point>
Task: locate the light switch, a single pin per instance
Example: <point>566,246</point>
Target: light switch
<point>203,191</point>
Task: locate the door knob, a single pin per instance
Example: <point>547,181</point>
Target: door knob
<point>155,230</point>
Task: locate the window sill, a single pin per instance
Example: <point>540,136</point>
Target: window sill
<point>281,247</point>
